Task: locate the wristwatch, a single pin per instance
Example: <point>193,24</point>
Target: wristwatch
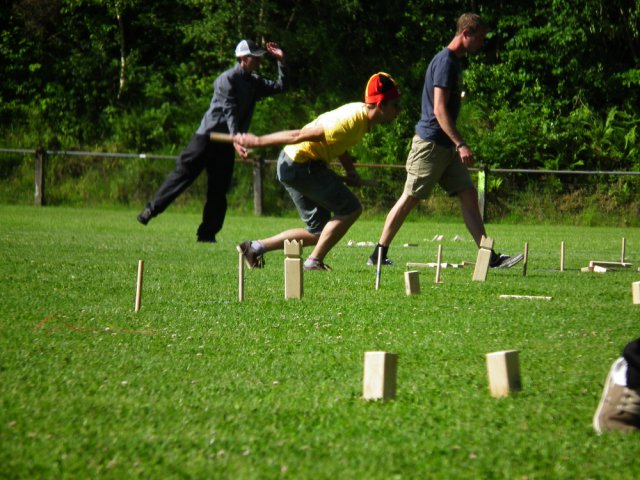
<point>460,145</point>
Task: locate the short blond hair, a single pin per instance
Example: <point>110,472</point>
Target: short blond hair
<point>471,22</point>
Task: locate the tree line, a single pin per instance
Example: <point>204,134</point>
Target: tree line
<point>557,84</point>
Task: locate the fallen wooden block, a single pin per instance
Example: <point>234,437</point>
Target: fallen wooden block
<point>410,245</point>
<point>412,282</point>
<point>240,277</point>
<point>503,369</point>
<point>379,379</point>
<point>138,300</point>
<point>600,263</point>
<point>351,243</point>
<point>434,265</point>
<point>422,265</point>
<point>438,265</point>
<point>526,297</point>
<point>594,268</point>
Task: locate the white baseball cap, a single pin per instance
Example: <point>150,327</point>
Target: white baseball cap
<point>248,47</point>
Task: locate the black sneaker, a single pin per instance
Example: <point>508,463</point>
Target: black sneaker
<point>207,238</point>
<point>145,216</point>
<point>499,260</point>
<point>252,258</point>
<point>373,261</point>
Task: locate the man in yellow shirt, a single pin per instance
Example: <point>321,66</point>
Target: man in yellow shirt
<point>303,169</point>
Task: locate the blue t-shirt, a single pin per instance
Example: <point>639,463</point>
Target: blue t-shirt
<point>444,71</point>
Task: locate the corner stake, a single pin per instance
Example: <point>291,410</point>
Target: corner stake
<point>240,277</point>
<point>138,301</point>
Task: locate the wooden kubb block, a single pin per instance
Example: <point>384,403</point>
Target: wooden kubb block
<point>412,282</point>
<point>379,379</point>
<point>503,369</point>
<point>635,291</point>
<point>483,260</point>
<point>293,280</point>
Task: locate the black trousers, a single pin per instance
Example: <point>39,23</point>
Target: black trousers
<point>631,354</point>
<point>200,154</point>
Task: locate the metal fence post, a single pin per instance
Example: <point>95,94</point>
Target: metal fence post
<point>483,172</point>
<point>258,177</point>
<point>40,164</point>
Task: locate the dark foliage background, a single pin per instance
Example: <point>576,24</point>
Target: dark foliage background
<point>556,86</point>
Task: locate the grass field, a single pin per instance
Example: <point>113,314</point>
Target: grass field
<point>197,385</point>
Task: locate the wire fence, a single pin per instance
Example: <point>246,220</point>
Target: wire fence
<point>61,171</point>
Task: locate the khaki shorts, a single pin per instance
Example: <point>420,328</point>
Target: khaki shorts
<point>429,164</point>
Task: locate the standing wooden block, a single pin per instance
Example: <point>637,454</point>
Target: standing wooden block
<point>412,282</point>
<point>624,250</point>
<point>503,369</point>
<point>379,379</point>
<point>635,290</point>
<point>293,283</point>
<point>484,257</point>
<point>525,259</point>
<point>562,256</point>
<point>438,264</point>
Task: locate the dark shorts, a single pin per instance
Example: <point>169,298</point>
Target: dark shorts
<point>316,191</point>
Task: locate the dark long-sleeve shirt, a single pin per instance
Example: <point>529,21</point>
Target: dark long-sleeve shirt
<point>235,93</point>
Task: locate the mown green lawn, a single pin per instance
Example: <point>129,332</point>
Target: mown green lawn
<point>197,385</point>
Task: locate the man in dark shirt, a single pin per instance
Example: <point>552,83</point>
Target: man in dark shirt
<point>235,93</point>
<point>438,154</point>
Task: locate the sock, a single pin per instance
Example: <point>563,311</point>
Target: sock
<point>257,246</point>
<point>312,260</point>
<point>384,251</point>
<point>633,378</point>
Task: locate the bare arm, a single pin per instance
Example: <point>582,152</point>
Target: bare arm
<point>440,99</point>
<point>347,161</point>
<point>285,137</point>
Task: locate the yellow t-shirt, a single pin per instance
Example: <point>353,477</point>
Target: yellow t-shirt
<point>343,127</point>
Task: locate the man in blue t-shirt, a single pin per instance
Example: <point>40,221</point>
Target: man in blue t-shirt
<point>438,153</point>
